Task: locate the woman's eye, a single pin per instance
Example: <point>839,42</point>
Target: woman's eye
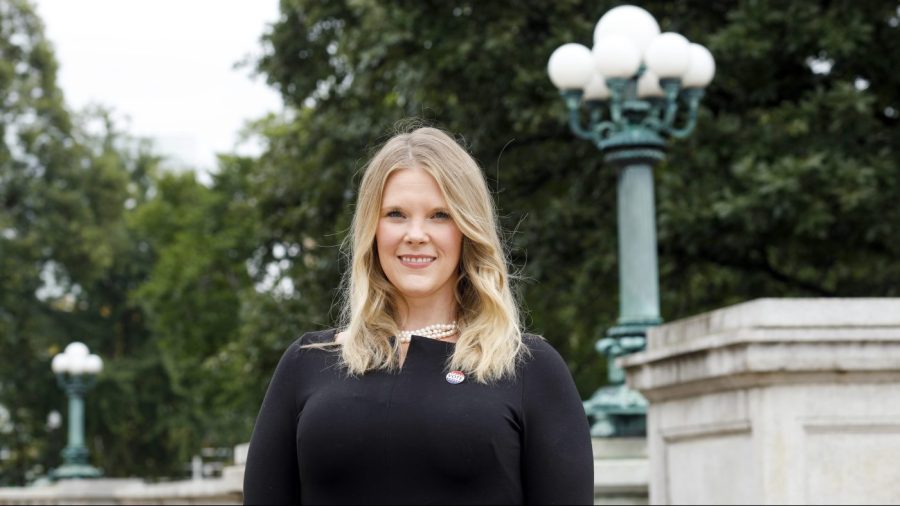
<point>394,214</point>
<point>441,215</point>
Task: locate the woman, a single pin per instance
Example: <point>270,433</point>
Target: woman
<point>431,393</point>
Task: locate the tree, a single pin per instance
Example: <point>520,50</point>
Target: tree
<point>68,262</point>
<point>774,195</point>
<point>35,127</point>
<point>201,239</point>
<point>63,194</point>
<point>794,170</point>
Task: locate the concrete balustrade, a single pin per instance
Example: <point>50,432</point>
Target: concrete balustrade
<point>775,401</point>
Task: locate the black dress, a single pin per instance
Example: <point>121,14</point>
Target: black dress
<point>416,437</point>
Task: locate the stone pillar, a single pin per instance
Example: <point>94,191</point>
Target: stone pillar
<point>774,401</point>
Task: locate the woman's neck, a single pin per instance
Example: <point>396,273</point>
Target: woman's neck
<point>417,313</point>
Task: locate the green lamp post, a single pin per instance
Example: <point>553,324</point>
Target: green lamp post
<point>638,87</point>
<point>76,371</point>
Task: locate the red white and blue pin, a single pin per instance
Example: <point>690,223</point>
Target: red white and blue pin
<point>455,377</point>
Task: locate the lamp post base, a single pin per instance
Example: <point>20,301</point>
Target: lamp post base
<point>617,411</point>
<point>75,471</point>
<point>75,465</point>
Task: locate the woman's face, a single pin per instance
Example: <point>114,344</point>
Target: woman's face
<point>418,243</point>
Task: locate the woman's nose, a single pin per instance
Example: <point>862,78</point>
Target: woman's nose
<point>415,233</point>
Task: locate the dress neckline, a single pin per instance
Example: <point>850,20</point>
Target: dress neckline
<point>421,339</point>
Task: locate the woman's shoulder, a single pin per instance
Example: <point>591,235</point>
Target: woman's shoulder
<point>304,348</point>
<point>310,340</point>
<point>535,343</point>
<point>540,355</point>
<point>316,337</point>
<point>545,374</point>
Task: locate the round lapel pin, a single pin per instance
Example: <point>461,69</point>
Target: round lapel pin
<point>455,377</point>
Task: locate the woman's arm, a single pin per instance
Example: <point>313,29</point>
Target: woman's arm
<point>271,475</point>
<point>557,459</point>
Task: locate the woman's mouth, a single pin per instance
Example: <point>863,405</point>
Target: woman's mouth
<point>416,261</point>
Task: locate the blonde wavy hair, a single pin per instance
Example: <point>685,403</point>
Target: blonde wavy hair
<point>490,337</point>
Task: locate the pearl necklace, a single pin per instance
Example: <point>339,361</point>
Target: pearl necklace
<point>436,331</point>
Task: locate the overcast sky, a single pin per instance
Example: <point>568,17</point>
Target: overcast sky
<point>166,65</point>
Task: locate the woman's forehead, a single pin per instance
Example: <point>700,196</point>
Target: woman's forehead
<point>415,183</point>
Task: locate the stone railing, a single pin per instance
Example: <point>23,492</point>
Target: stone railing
<point>224,490</point>
<point>620,477</point>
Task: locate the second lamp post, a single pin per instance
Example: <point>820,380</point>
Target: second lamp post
<point>76,370</point>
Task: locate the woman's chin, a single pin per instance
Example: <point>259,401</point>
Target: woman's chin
<point>416,292</point>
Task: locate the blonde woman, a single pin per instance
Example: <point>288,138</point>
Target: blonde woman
<point>430,393</point>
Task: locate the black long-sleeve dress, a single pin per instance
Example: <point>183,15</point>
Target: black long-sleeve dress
<point>416,436</point>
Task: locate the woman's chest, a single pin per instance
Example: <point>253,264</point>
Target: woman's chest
<point>418,421</point>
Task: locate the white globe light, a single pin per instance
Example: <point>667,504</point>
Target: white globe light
<point>668,55</point>
<point>701,70</point>
<point>596,89</point>
<point>60,363</point>
<point>570,66</point>
<point>648,85</point>
<point>77,365</point>
<point>54,420</point>
<point>77,349</point>
<point>629,21</point>
<point>93,364</point>
<point>616,56</point>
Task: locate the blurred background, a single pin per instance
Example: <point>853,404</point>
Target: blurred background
<point>189,254</point>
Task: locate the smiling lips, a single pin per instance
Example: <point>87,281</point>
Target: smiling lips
<point>416,261</point>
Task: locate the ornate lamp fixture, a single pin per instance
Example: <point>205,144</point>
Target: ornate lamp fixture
<point>639,74</point>
<point>639,87</point>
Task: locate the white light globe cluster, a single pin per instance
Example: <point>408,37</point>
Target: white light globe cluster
<point>76,360</point>
<point>625,37</point>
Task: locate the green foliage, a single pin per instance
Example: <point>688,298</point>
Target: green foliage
<point>792,174</point>
<point>200,239</point>
<point>40,179</point>
<point>75,260</point>
<point>784,190</point>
